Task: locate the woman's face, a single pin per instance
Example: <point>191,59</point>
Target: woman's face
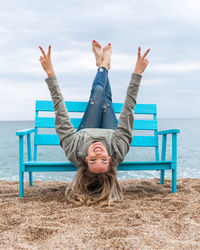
<point>98,159</point>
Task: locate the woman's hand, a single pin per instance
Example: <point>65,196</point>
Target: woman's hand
<point>46,62</point>
<point>141,62</point>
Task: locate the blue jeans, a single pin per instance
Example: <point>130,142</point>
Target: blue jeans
<point>99,112</point>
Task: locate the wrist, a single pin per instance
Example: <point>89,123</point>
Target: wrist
<point>137,74</point>
<point>50,74</point>
<point>137,71</point>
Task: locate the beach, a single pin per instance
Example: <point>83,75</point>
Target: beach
<point>150,217</point>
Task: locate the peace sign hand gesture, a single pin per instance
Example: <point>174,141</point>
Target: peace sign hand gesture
<point>141,62</point>
<point>46,62</point>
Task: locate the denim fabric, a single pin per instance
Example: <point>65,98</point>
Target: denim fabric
<point>99,112</point>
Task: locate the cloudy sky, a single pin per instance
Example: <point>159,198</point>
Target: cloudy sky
<point>170,28</point>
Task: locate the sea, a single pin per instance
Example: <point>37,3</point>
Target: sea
<point>188,154</point>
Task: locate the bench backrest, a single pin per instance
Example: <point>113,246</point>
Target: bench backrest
<point>43,119</point>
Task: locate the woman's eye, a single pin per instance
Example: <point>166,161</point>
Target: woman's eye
<point>104,159</point>
<point>93,159</point>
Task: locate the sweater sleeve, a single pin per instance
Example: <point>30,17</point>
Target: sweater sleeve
<point>63,126</point>
<point>126,119</point>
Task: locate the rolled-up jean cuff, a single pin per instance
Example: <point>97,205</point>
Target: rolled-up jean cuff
<point>100,69</point>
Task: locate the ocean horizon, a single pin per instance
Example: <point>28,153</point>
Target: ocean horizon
<point>188,155</point>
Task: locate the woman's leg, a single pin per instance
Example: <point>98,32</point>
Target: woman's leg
<point>93,113</point>
<point>108,119</point>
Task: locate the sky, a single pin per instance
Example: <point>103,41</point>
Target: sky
<point>170,28</point>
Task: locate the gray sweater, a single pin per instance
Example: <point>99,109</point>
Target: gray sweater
<point>75,145</point>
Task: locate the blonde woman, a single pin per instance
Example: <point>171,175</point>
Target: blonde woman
<point>100,144</point>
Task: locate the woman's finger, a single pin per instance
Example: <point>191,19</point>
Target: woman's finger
<point>42,51</point>
<point>145,54</point>
<point>139,52</point>
<point>49,51</point>
<point>42,60</point>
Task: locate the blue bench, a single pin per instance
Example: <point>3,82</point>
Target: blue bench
<point>34,165</point>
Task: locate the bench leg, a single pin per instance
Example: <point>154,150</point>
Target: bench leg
<point>174,177</point>
<point>21,173</point>
<point>162,176</point>
<point>30,179</point>
<point>21,184</point>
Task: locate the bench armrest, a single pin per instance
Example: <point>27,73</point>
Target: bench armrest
<point>170,131</point>
<point>164,134</point>
<point>21,134</point>
<point>25,131</point>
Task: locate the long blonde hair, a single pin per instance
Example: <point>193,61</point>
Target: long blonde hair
<point>90,188</point>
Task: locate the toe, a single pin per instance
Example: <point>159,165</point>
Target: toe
<point>98,44</point>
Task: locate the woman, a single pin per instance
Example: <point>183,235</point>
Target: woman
<point>100,144</point>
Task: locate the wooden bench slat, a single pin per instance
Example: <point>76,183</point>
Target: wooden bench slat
<point>138,141</point>
<point>48,166</point>
<point>46,139</point>
<point>71,106</point>
<point>68,163</point>
<point>81,106</point>
<point>144,141</point>
<point>46,122</point>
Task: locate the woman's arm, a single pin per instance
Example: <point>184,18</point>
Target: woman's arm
<point>126,119</point>
<point>63,126</point>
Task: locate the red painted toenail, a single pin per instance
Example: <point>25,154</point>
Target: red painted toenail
<point>94,41</point>
<point>109,44</point>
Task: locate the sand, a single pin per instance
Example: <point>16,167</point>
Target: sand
<point>150,217</point>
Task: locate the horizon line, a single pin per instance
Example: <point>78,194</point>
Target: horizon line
<point>162,118</point>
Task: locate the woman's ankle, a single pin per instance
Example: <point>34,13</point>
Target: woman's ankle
<point>105,65</point>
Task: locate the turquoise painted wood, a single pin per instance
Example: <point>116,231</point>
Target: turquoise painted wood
<point>45,122</point>
<point>81,106</point>
<point>42,120</point>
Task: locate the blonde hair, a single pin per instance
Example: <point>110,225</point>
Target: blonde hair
<point>90,188</point>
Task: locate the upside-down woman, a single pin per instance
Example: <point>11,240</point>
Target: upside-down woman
<point>100,143</point>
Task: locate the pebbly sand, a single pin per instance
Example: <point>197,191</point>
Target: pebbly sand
<point>150,217</point>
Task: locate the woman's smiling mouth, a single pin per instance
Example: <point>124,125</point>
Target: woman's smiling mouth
<point>98,148</point>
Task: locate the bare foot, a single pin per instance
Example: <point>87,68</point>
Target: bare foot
<point>96,47</point>
<point>107,52</point>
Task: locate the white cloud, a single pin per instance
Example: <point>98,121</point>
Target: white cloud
<point>177,67</point>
